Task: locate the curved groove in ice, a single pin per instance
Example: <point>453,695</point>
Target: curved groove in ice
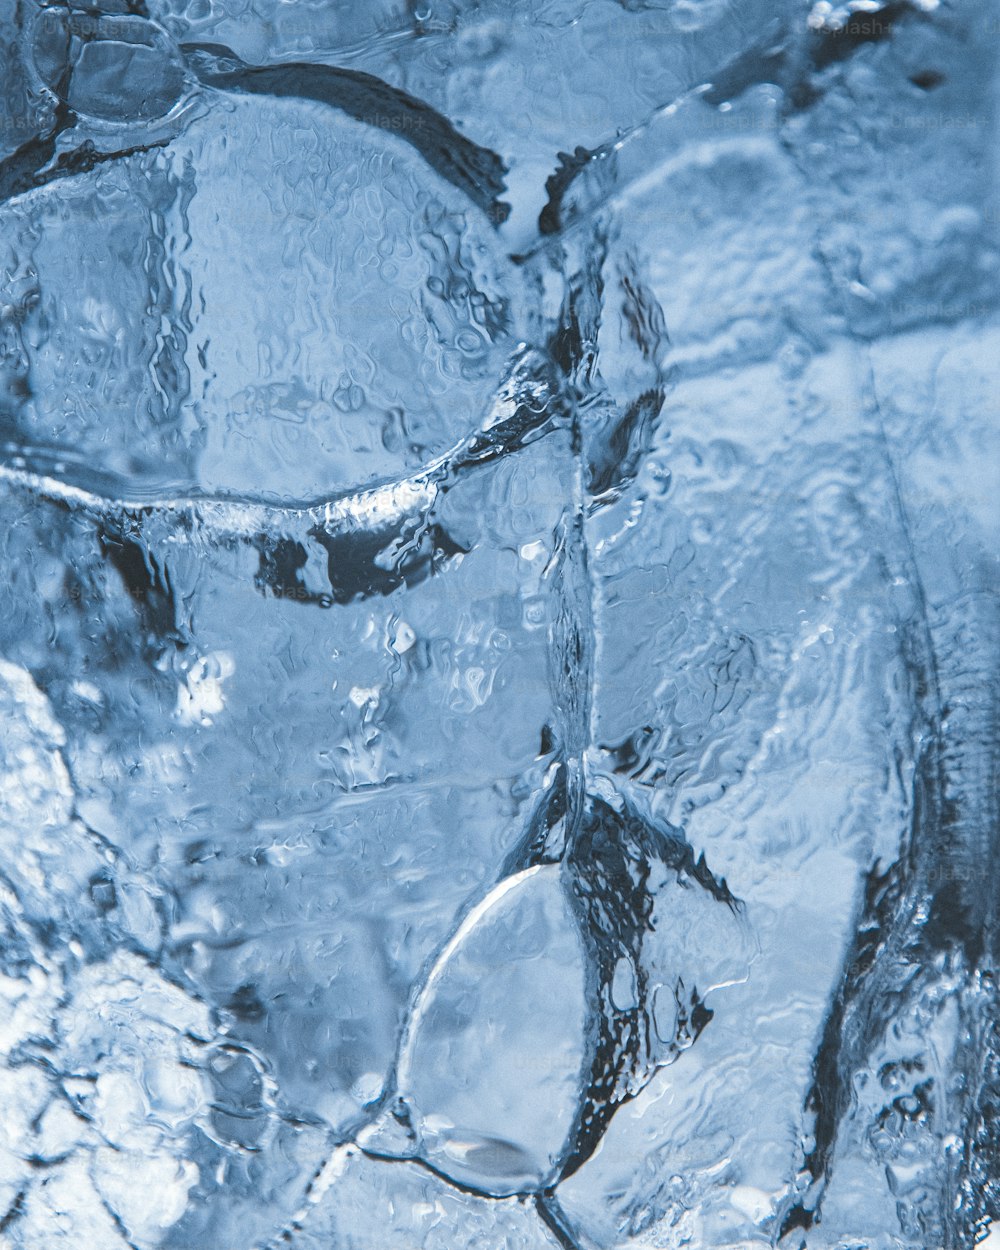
<point>522,410</point>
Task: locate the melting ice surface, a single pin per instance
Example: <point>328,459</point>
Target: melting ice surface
<point>498,642</point>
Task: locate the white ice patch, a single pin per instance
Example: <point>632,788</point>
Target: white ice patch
<point>200,696</point>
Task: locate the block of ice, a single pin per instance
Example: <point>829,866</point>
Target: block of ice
<point>498,634</point>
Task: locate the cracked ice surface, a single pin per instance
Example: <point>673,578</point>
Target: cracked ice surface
<point>498,642</point>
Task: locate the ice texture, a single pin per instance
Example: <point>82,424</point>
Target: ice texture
<point>499,636</point>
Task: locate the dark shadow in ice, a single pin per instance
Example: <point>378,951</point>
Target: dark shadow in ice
<point>362,565</point>
<point>930,911</point>
<point>926,922</point>
<point>38,161</point>
<point>558,997</point>
<point>620,434</point>
<point>74,55</point>
<point>558,1223</point>
<point>35,162</point>
<point>617,419</point>
<point>145,579</point>
<point>625,875</point>
<point>836,40</point>
<point>792,59</point>
<point>618,455</point>
<point>473,169</point>
<point>368,543</point>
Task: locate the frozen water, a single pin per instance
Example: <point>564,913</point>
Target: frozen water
<point>491,1061</point>
<point>499,635</point>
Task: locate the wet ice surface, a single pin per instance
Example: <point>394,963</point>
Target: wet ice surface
<point>498,645</point>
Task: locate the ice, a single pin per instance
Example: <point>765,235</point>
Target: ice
<point>372,1202</point>
<point>230,369</point>
<point>502,1019</point>
<point>498,642</point>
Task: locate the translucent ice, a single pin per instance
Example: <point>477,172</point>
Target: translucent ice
<point>499,634</point>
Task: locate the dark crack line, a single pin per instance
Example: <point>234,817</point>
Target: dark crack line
<point>15,180</point>
<point>117,1221</point>
<point>461,1187</point>
<point>311,1198</point>
<point>555,1219</point>
<point>475,170</point>
<point>15,1211</point>
<point>787,59</point>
